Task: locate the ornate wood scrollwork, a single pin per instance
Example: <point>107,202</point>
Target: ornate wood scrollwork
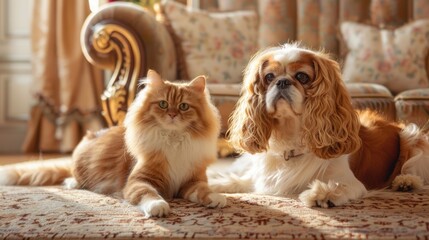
<point>116,40</point>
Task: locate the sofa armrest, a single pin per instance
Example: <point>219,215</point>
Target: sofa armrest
<point>127,40</point>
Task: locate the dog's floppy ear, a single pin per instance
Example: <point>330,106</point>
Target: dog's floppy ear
<point>250,126</point>
<point>331,125</point>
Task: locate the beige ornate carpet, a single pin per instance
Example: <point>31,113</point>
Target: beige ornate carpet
<point>53,212</point>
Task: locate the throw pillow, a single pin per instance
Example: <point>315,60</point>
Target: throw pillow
<point>218,45</point>
<point>394,58</point>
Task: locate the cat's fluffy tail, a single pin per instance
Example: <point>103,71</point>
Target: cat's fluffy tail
<point>36,173</point>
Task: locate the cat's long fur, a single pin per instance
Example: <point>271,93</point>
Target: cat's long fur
<point>158,154</point>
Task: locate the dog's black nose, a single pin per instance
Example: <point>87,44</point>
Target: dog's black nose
<point>283,83</point>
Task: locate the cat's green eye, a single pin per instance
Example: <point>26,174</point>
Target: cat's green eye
<point>163,104</point>
<point>183,106</point>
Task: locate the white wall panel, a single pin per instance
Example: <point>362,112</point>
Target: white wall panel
<point>18,97</point>
<point>18,14</point>
<point>15,73</point>
<point>15,30</point>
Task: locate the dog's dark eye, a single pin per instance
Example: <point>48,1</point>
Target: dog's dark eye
<point>302,77</point>
<point>269,77</point>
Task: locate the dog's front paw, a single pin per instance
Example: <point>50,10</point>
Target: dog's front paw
<point>155,207</point>
<point>325,195</point>
<point>407,183</point>
<point>216,200</point>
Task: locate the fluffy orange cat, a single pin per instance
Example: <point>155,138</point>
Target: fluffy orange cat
<point>162,151</point>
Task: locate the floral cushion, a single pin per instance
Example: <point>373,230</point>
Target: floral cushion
<point>393,58</point>
<point>415,94</point>
<point>218,45</point>
<point>368,90</point>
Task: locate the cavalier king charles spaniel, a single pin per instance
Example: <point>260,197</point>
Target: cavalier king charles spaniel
<point>301,136</point>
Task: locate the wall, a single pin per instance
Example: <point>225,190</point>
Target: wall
<point>15,73</point>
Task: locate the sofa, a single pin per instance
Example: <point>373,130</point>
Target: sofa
<point>127,40</point>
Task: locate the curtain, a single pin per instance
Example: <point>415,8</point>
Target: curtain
<point>66,86</point>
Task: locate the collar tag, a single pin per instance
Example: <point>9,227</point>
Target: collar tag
<point>287,155</point>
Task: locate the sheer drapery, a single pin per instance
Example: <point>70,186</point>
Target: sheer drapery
<point>67,87</point>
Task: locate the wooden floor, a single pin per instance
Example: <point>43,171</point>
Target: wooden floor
<point>10,159</point>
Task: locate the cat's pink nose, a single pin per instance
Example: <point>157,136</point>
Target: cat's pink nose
<point>172,114</point>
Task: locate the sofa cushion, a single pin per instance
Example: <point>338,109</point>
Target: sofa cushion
<point>228,5</point>
<point>374,97</point>
<point>414,94</point>
<point>368,90</point>
<point>394,58</point>
<point>224,97</point>
<point>222,89</point>
<point>218,45</point>
<point>413,106</point>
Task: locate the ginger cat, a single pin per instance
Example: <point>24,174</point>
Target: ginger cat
<point>162,151</point>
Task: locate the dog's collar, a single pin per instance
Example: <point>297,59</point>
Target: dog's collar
<point>294,153</point>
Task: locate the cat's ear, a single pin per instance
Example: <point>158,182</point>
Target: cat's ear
<point>198,84</point>
<point>154,79</point>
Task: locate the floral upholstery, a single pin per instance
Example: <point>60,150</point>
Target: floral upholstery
<point>224,97</point>
<point>228,5</point>
<point>372,96</point>
<point>312,22</point>
<point>276,23</point>
<point>393,58</point>
<point>225,104</point>
<point>396,59</point>
<point>420,9</point>
<point>413,106</point>
<point>284,21</point>
<point>368,90</point>
<point>213,44</point>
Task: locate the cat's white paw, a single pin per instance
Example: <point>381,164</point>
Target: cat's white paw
<point>216,200</point>
<point>324,195</point>
<point>70,183</point>
<point>155,208</point>
<point>7,177</point>
<point>407,183</point>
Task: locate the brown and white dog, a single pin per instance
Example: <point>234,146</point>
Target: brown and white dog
<point>301,136</point>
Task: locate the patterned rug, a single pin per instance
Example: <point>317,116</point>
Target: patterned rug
<point>52,212</point>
